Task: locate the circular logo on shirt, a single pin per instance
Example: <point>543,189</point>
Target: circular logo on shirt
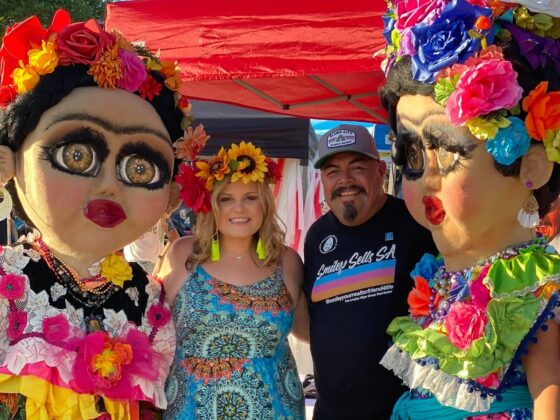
<point>328,244</point>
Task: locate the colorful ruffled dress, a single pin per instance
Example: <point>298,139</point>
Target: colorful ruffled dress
<point>233,360</point>
<point>460,349</point>
<point>66,353</point>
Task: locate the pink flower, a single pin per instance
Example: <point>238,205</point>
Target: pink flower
<point>464,323</point>
<point>488,86</point>
<point>479,292</point>
<point>489,381</point>
<point>12,286</point>
<point>158,315</point>
<point>412,12</point>
<point>105,365</point>
<point>55,328</point>
<point>82,42</point>
<point>134,71</point>
<point>17,322</point>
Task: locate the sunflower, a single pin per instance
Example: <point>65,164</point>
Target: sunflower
<point>215,169</point>
<point>251,165</point>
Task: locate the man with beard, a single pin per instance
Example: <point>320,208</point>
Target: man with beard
<point>358,257</point>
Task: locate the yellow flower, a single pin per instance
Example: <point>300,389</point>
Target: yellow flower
<point>214,170</point>
<point>116,269</point>
<point>251,164</point>
<point>173,82</point>
<point>552,145</point>
<point>107,70</point>
<point>43,60</point>
<point>153,64</point>
<point>25,78</point>
<point>484,129</point>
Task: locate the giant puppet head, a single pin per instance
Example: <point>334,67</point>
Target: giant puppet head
<point>87,124</point>
<point>473,94</point>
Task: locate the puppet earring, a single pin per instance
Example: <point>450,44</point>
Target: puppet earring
<point>261,252</point>
<point>6,204</point>
<point>215,249</point>
<point>528,216</point>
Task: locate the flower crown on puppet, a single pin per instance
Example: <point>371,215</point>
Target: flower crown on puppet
<point>29,51</point>
<point>452,44</point>
<point>243,163</point>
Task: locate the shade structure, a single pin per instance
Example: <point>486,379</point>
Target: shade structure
<point>314,59</point>
<point>279,136</point>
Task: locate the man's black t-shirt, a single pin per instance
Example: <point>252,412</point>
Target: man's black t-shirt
<point>356,281</point>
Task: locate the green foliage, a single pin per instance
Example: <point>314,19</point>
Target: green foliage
<point>12,11</point>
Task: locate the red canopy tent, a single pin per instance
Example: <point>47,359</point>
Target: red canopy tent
<point>311,59</point>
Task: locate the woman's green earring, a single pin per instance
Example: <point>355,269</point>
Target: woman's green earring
<point>261,252</point>
<point>215,250</point>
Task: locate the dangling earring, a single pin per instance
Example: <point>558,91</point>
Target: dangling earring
<point>528,216</point>
<point>6,204</point>
<point>215,249</point>
<point>261,252</point>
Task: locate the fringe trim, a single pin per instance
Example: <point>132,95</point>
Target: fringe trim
<point>448,390</point>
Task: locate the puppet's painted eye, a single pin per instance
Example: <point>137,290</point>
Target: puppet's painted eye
<point>447,160</point>
<point>137,170</point>
<point>77,158</point>
<point>415,161</point>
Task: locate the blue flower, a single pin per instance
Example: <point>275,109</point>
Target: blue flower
<point>447,41</point>
<point>426,267</point>
<point>510,143</point>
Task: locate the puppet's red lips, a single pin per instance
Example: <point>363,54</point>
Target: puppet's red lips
<point>433,208</point>
<point>105,213</point>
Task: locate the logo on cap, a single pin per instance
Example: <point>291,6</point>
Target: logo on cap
<point>341,138</point>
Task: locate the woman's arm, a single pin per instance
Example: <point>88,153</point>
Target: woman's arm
<point>172,269</point>
<point>292,268</point>
<point>542,366</point>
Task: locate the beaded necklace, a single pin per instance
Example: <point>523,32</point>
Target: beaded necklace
<point>449,286</point>
<point>79,288</point>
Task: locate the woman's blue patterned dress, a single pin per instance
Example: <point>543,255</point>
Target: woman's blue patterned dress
<point>233,360</point>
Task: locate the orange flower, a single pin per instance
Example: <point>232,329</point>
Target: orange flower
<point>107,71</point>
<point>543,111</point>
<point>419,298</point>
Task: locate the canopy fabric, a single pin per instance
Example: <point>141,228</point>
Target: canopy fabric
<point>311,59</point>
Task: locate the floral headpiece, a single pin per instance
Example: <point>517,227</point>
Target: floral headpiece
<point>243,163</point>
<point>454,45</point>
<point>29,52</point>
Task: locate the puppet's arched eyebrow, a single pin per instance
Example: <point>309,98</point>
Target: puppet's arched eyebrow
<point>108,125</point>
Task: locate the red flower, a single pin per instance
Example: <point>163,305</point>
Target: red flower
<point>12,286</point>
<point>55,328</point>
<point>150,88</point>
<point>82,42</point>
<point>158,315</point>
<point>17,323</point>
<point>419,298</point>
<point>7,95</point>
<point>193,190</point>
<point>23,36</point>
<point>274,170</point>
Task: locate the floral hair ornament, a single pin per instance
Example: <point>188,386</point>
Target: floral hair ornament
<point>455,45</point>
<point>243,162</point>
<point>30,51</point>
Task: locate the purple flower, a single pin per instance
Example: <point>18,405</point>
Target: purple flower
<point>447,40</point>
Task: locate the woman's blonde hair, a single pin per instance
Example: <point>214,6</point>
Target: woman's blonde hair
<point>272,232</point>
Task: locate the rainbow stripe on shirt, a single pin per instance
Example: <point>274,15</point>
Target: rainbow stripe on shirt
<point>352,279</point>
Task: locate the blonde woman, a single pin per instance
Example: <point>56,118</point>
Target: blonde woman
<point>236,294</point>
